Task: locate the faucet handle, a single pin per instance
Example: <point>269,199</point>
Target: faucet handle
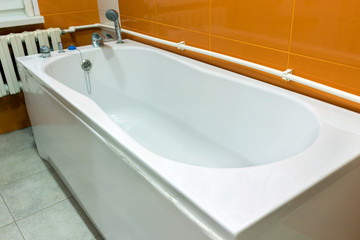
<point>97,40</point>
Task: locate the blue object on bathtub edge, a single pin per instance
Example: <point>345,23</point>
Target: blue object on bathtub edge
<point>72,47</point>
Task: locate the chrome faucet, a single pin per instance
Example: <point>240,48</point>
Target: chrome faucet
<point>113,16</point>
<point>97,39</point>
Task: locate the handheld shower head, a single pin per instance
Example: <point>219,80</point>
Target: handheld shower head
<point>112,15</point>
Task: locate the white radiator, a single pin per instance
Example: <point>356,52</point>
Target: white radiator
<point>21,44</point>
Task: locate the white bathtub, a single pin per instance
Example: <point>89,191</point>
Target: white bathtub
<point>166,147</point>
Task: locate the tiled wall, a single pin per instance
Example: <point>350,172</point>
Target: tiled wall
<point>66,13</point>
<point>60,14</point>
<point>13,114</point>
<point>63,14</point>
<point>318,39</point>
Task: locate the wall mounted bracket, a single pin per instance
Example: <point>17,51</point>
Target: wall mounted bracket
<point>181,45</point>
<point>287,72</point>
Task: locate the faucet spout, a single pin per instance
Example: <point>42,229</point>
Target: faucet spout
<point>113,16</point>
<point>97,40</point>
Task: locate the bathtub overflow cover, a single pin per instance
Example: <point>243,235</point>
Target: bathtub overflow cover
<point>86,65</point>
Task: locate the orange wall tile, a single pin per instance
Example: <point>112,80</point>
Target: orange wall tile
<point>65,20</point>
<point>328,30</point>
<point>144,9</point>
<point>13,114</point>
<point>175,34</point>
<point>317,39</point>
<point>266,23</point>
<point>189,14</point>
<point>335,75</point>
<point>139,25</point>
<point>66,13</point>
<point>56,7</point>
<point>253,53</point>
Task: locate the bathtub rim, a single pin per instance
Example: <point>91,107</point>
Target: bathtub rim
<point>208,70</point>
<point>50,85</point>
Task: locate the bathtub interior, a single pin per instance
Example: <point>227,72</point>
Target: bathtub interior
<point>187,113</point>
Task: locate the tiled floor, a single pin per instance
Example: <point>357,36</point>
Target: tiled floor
<point>34,203</point>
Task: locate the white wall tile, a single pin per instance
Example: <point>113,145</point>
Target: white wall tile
<point>105,5</point>
<point>103,19</point>
<point>108,4</point>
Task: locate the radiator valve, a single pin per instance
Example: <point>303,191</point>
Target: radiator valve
<point>61,48</point>
<point>45,51</point>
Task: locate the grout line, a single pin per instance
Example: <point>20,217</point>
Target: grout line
<point>291,33</point>
<point>327,61</point>
<point>146,20</point>
<point>191,30</point>
<point>62,13</point>
<point>7,207</point>
<point>142,19</point>
<point>21,148</point>
<point>181,28</point>
<point>7,225</point>
<point>20,230</point>
<point>157,30</point>
<point>167,25</point>
<point>26,176</point>
<point>156,20</point>
<point>210,27</point>
<point>17,228</point>
<point>14,221</point>
<point>252,44</point>
<point>67,198</point>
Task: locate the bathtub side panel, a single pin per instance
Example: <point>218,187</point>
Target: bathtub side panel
<point>119,200</point>
<point>33,99</point>
<point>335,212</point>
<point>331,213</point>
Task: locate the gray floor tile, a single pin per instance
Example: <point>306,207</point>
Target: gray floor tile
<point>5,217</point>
<point>36,196</point>
<point>33,193</point>
<point>10,232</point>
<point>16,140</point>
<point>19,164</point>
<point>62,221</point>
